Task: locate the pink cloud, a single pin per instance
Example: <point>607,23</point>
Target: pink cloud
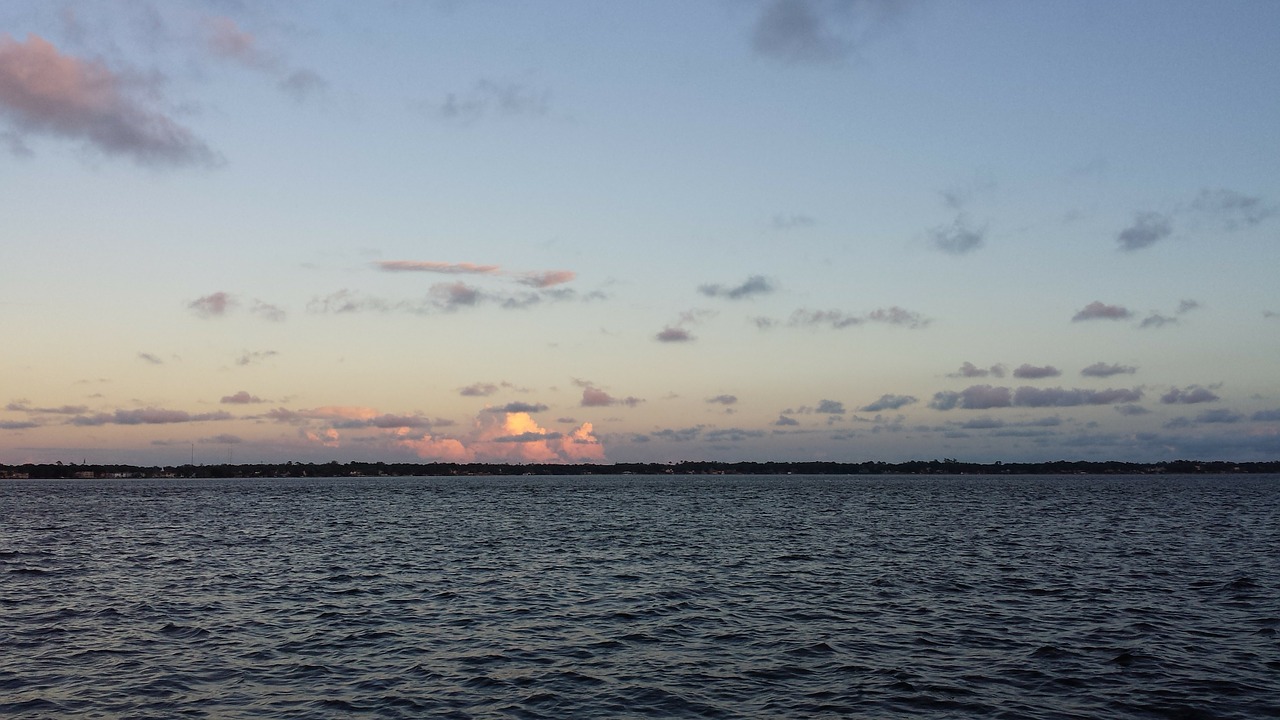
<point>435,267</point>
<point>1096,310</point>
<point>227,40</point>
<point>548,278</point>
<point>46,92</point>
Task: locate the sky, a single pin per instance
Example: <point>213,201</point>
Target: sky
<point>571,231</point>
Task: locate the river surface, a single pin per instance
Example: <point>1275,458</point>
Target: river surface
<point>641,596</point>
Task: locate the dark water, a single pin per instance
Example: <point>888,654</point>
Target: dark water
<point>1041,597</point>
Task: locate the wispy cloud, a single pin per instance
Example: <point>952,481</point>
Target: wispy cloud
<point>493,98</point>
<point>254,357</point>
<point>1234,209</point>
<point>985,397</point>
<point>25,407</point>
<point>969,370</point>
<point>752,286</point>
<point>1097,310</point>
<point>889,402</point>
<point>478,390</point>
<point>1156,320</point>
<point>958,238</point>
<point>226,39</point>
<point>46,92</point>
<point>212,305</point>
<point>147,416</point>
<point>792,221</point>
<point>838,319</point>
<point>723,400</point>
<point>429,266</point>
<point>150,358</point>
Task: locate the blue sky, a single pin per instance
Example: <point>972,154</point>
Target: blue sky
<point>569,231</point>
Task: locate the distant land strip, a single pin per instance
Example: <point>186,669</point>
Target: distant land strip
<point>382,469</point>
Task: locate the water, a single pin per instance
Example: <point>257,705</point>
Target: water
<point>639,596</point>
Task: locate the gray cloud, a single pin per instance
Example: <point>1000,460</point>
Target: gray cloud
<point>969,370</point>
<point>595,397</point>
<point>754,285</point>
<point>830,407</point>
<point>17,424</point>
<point>792,221</point>
<point>974,397</point>
<point>820,31</point>
<point>519,407</point>
<point>1131,410</point>
<point>1232,208</point>
<point>478,390</point>
<point>1190,395</point>
<point>147,416</point>
<point>1033,372</point>
<point>674,335</point>
<point>302,85</point>
<point>241,398</point>
<point>784,421</point>
<point>1186,306</point>
<point>1147,229</point>
<point>958,238</point>
<point>1156,320</point>
<point>888,402</point>
<point>1099,311</point>
<point>256,356</point>
<point>488,97</point>
<point>1027,396</point>
<point>1102,370</point>
<point>838,319</point>
<point>1221,415</point>
<point>723,399</point>
<point>148,357</point>
<point>24,406</point>
<point>678,435</point>
<point>1266,415</point>
<point>212,305</point>
<point>46,92</point>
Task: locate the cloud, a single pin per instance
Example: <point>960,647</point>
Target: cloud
<point>1098,311</point>
<point>519,407</point>
<point>223,439</point>
<point>830,407</point>
<point>1102,370</point>
<point>792,221</point>
<point>254,357</point>
<point>1147,229</point>
<point>673,334</point>
<point>1156,320</point>
<point>1233,208</point>
<point>148,357</point>
<point>303,84</point>
<point>436,267</point>
<point>723,399</point>
<point>451,296</point>
<point>784,421</point>
<point>888,402</point>
<point>958,238</point>
<point>982,423</point>
<point>478,390</point>
<point>1221,415</point>
<point>1186,306</point>
<point>17,424</point>
<point>969,370</point>
<point>147,416</point>
<point>678,435</point>
<point>1131,410</point>
<point>547,278</point>
<point>345,301</point>
<point>225,39</point>
<point>820,31</point>
<point>593,396</point>
<point>754,285</point>
<point>974,397</point>
<point>1027,396</point>
<point>212,305</point>
<point>1266,416</point>
<point>241,398</point>
<point>839,320</point>
<point>1190,395</point>
<point>1032,372</point>
<point>45,92</point>
<point>489,97</point>
<point>24,406</point>
<point>266,311</point>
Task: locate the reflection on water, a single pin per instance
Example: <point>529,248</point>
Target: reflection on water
<point>639,596</point>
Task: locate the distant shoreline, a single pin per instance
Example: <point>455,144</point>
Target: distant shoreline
<point>382,469</point>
